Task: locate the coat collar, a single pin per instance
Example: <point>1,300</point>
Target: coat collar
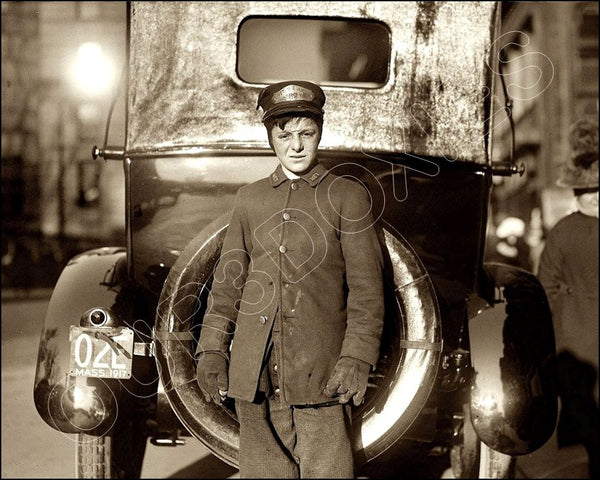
<point>312,177</point>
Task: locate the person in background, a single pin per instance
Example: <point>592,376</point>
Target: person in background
<point>511,247</point>
<point>296,313</point>
<point>568,270</point>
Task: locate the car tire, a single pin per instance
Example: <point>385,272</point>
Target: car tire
<point>120,452</point>
<point>405,374</point>
<point>93,456</point>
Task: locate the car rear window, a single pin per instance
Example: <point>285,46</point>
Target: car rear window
<point>327,51</point>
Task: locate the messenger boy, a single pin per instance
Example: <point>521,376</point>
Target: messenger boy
<point>295,317</point>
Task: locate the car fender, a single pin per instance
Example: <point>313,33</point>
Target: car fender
<point>513,393</point>
<point>71,404</point>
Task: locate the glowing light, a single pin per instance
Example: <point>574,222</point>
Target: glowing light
<point>92,72</point>
<point>78,396</point>
<point>486,403</point>
<point>83,398</point>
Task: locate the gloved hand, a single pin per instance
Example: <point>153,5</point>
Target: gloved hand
<point>349,379</point>
<point>211,375</point>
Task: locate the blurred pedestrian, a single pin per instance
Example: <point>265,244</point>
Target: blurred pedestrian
<point>568,270</point>
<point>510,246</point>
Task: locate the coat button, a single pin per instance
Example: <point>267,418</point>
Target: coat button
<point>294,186</point>
<point>277,391</point>
<point>275,367</point>
<point>282,249</point>
<point>286,216</point>
<point>263,319</point>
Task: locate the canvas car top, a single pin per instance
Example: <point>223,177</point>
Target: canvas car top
<point>185,90</point>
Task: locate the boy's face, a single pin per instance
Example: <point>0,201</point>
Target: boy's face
<point>296,145</point>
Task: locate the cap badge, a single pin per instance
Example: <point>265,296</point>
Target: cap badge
<point>293,93</point>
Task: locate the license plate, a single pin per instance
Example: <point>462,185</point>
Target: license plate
<point>104,352</point>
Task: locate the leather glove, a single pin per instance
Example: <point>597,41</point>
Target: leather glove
<point>211,375</point>
<point>349,379</point>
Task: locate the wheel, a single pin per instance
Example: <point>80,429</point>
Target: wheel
<point>93,456</point>
<point>409,358</point>
<point>119,453</point>
<point>472,458</point>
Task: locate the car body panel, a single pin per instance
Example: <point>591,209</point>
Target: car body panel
<point>514,402</point>
<point>74,404</point>
<point>182,94</point>
<point>172,199</point>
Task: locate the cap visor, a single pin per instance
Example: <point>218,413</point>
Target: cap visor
<point>291,107</point>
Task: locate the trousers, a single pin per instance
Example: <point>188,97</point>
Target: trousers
<point>287,441</point>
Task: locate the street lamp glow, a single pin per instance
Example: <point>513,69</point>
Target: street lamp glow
<point>92,72</point>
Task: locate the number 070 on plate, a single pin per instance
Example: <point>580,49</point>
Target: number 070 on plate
<point>103,352</point>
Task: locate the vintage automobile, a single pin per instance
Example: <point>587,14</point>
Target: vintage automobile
<point>467,360</point>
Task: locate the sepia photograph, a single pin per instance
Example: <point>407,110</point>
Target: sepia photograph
<point>299,239</point>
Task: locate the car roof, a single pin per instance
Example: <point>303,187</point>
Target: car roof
<point>184,91</point>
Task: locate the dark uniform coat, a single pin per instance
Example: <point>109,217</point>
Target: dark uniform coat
<point>301,254</point>
<point>569,273</point>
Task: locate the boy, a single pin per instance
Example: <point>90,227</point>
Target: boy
<point>297,298</point>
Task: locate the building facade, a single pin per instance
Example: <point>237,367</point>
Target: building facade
<point>55,199</point>
<point>549,55</point>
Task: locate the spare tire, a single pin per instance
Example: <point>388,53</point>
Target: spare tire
<point>405,374</point>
